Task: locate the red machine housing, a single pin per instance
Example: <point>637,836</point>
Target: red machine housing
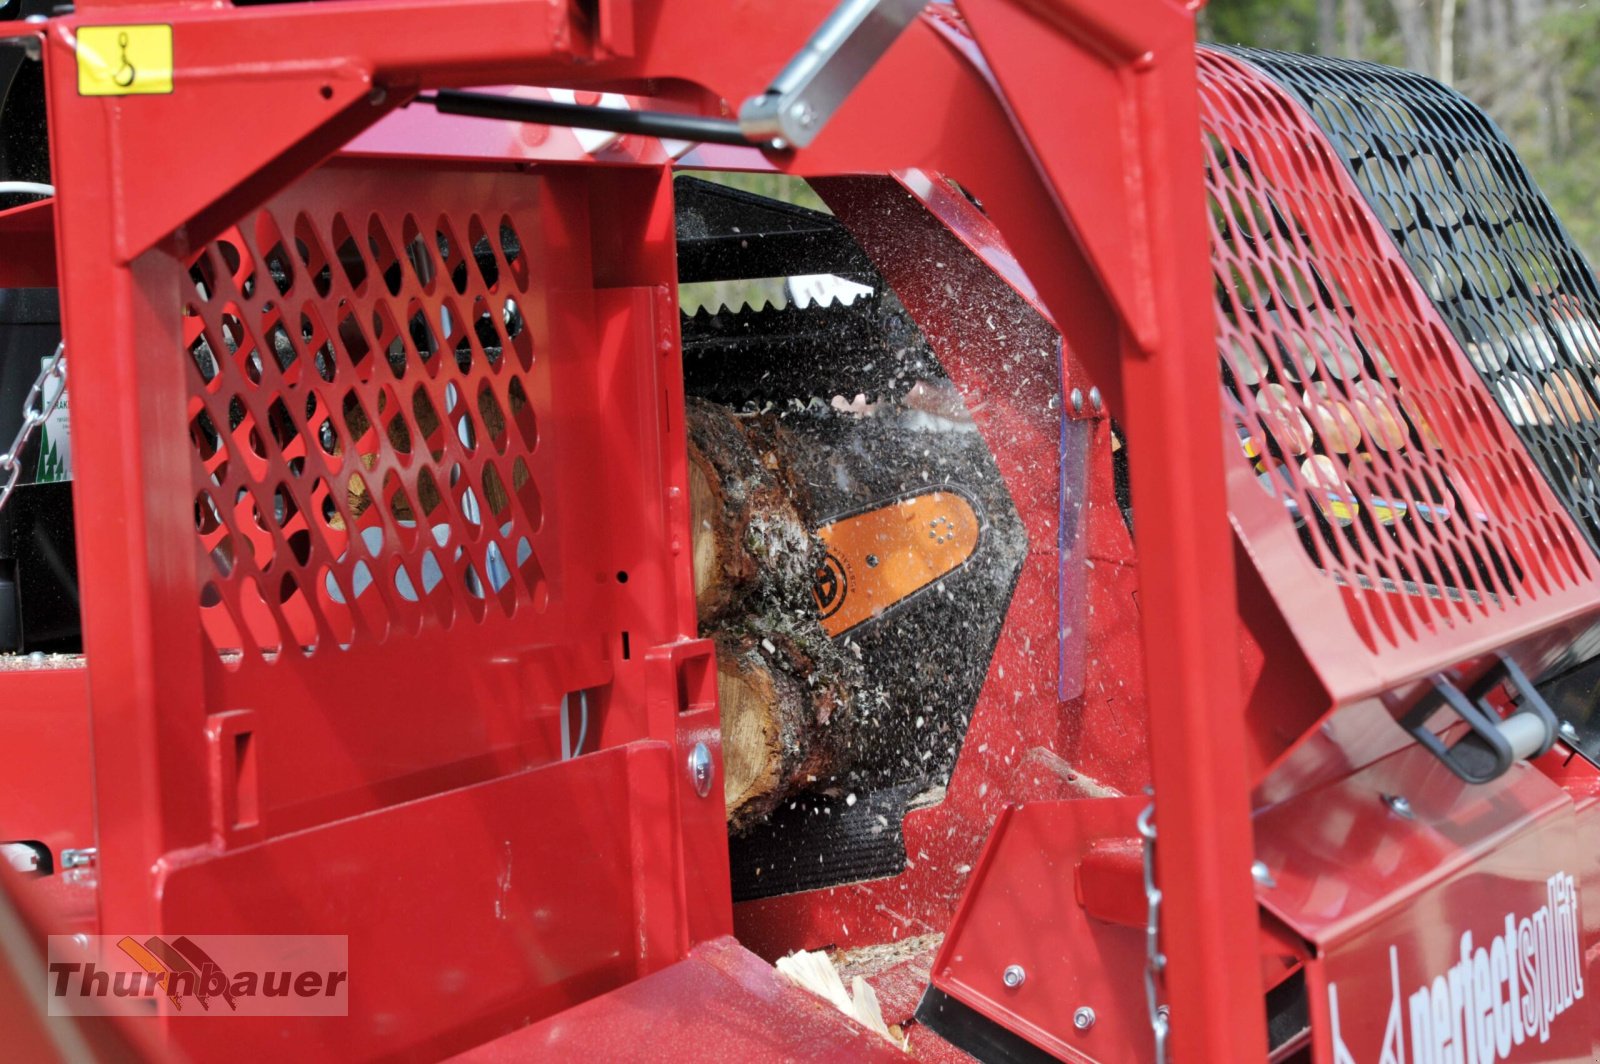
<point>386,468</point>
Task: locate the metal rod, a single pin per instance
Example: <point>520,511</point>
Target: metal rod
<point>670,125</point>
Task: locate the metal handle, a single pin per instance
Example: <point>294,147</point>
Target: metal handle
<point>1492,744</point>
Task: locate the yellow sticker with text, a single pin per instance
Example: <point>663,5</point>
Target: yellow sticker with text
<point>124,60</point>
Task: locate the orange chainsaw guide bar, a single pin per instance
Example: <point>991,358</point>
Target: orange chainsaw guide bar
<point>882,557</point>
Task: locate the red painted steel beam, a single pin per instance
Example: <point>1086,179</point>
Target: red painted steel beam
<point>304,77</point>
<point>1141,215</point>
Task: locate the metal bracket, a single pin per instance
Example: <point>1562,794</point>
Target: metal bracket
<point>1493,743</point>
<point>808,90</point>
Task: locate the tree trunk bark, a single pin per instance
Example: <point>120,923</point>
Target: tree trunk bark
<point>1327,26</point>
<point>1477,15</point>
<point>1355,28</point>
<point>1411,17</point>
<point>1445,43</point>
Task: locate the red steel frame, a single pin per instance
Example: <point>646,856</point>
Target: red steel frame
<point>1097,200</point>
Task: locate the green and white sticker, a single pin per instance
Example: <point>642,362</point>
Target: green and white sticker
<point>55,441</point>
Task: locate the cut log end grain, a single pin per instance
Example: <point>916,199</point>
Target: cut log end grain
<point>751,751</point>
<point>717,558</point>
<point>788,718</point>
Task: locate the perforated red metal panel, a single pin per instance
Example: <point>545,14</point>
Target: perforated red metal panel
<point>365,441</point>
<point>1485,244</point>
<point>1396,518</point>
<point>402,485</point>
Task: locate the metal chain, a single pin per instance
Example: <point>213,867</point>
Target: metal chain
<point>36,410</point>
<point>1155,962</point>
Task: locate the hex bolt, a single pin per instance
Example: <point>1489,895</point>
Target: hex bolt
<point>1083,1018</point>
<point>1013,976</point>
<point>1399,806</point>
<point>700,769</point>
<point>78,858</point>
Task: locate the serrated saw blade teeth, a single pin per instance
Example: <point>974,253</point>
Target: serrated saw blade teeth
<point>793,353</point>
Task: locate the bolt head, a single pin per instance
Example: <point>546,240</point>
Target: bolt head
<point>1083,1018</point>
<point>1262,874</point>
<point>1075,398</point>
<point>1013,976</point>
<point>1399,805</point>
<point>1094,398</point>
<point>1568,730</point>
<point>700,769</point>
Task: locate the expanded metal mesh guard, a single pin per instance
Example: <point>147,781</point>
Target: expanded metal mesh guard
<point>426,469</point>
<point>1516,293</point>
<point>362,423</point>
<point>1362,422</point>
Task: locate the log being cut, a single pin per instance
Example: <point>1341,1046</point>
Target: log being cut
<point>855,552</point>
<point>789,694</point>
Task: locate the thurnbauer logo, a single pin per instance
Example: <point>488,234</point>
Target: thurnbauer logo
<point>264,975</point>
<point>1495,998</point>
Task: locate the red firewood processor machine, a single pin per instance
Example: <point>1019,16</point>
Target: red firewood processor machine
<point>1254,718</point>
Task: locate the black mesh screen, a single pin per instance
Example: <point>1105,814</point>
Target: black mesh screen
<point>1484,243</point>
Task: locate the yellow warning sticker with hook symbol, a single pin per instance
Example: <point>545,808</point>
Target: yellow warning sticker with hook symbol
<point>124,60</point>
